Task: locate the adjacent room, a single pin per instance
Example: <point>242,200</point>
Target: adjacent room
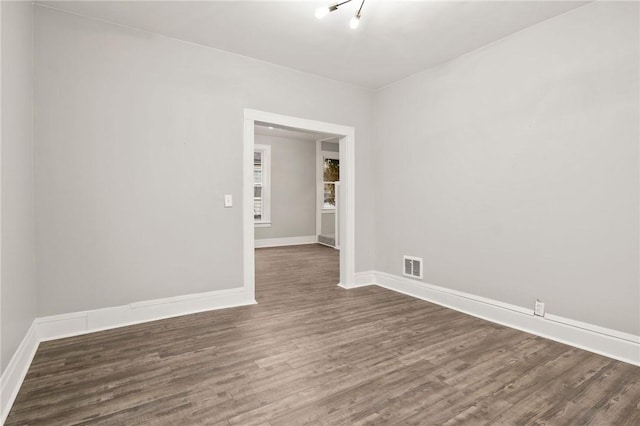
<point>307,212</point>
<point>295,212</point>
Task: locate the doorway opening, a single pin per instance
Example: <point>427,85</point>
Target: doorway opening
<point>258,207</point>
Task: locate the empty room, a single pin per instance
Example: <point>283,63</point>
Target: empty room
<point>307,212</point>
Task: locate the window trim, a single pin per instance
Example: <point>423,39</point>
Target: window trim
<point>265,221</point>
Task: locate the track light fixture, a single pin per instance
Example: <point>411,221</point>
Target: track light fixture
<point>355,21</point>
<point>321,12</point>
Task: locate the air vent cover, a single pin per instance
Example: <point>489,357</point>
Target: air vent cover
<point>412,267</point>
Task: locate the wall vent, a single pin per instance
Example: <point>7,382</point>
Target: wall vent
<point>412,266</point>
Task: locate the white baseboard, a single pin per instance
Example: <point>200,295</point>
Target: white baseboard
<point>288,241</point>
<point>328,245</point>
<point>77,323</point>
<point>610,343</point>
<point>361,279</point>
<point>14,374</point>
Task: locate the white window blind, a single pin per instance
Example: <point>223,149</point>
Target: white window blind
<point>261,183</point>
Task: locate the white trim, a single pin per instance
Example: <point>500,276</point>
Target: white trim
<point>347,208</point>
<point>248,223</point>
<point>16,371</point>
<point>346,136</point>
<point>362,279</point>
<point>298,123</point>
<point>288,241</point>
<point>336,216</point>
<point>319,201</point>
<point>604,341</point>
<point>441,295</point>
<point>595,328</point>
<point>262,224</point>
<point>328,245</point>
<point>11,372</point>
<point>77,323</point>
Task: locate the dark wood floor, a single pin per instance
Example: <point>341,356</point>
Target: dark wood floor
<point>313,353</point>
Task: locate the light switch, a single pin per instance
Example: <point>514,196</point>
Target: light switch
<point>228,200</point>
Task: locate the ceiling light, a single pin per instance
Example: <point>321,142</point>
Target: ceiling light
<point>321,12</point>
<point>355,21</point>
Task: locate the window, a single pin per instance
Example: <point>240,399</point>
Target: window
<point>261,185</point>
<point>331,173</point>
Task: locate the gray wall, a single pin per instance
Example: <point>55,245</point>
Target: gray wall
<point>328,223</point>
<point>138,138</point>
<point>18,287</point>
<point>513,170</point>
<point>330,146</point>
<point>293,187</point>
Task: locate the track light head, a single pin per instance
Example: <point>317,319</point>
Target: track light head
<point>321,12</point>
<point>355,22</point>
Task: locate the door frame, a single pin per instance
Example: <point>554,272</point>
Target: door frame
<point>346,137</point>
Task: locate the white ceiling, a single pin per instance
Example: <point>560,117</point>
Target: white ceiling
<point>395,38</point>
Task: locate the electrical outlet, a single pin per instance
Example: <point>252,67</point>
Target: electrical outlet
<point>538,308</point>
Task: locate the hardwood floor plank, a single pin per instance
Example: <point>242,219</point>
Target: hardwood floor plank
<point>313,353</point>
